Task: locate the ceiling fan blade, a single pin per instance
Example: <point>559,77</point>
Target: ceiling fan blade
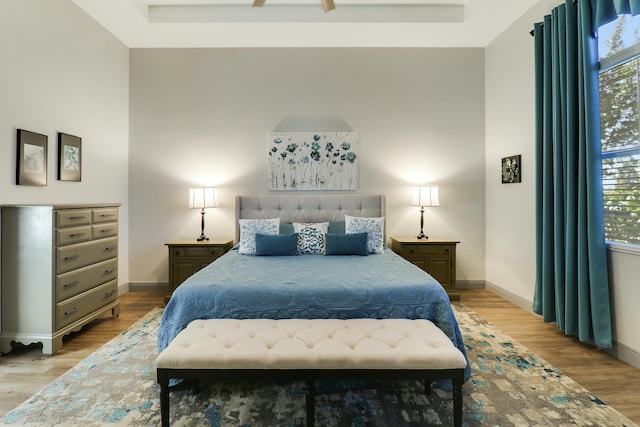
<point>258,3</point>
<point>328,5</point>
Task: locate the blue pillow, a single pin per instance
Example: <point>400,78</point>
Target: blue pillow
<point>336,227</point>
<point>277,244</point>
<point>286,228</point>
<point>347,244</point>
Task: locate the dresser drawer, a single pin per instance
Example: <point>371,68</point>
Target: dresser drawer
<point>71,257</point>
<point>100,231</point>
<point>104,215</point>
<point>69,236</point>
<point>73,217</point>
<point>75,308</point>
<point>424,250</point>
<point>77,281</point>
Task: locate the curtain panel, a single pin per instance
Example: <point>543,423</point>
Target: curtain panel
<point>572,287</point>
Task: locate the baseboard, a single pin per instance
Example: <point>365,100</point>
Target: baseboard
<point>147,286</point>
<point>511,297</point>
<point>123,288</point>
<point>470,284</point>
<point>625,353</point>
<point>618,350</point>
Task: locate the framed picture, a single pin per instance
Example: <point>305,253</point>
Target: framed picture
<point>31,168</point>
<point>69,157</point>
<point>313,161</point>
<point>511,169</point>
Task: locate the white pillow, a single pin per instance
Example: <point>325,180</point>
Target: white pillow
<point>311,236</point>
<point>374,227</point>
<point>250,227</point>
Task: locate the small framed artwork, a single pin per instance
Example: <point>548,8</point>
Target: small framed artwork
<point>511,169</point>
<point>69,157</point>
<point>31,168</point>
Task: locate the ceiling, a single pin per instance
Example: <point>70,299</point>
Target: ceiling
<point>303,23</point>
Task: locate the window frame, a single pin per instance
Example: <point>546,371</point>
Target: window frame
<point>605,64</point>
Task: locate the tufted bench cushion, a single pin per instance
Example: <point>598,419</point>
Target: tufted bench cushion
<point>310,348</point>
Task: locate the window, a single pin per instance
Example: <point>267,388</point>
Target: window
<point>619,47</point>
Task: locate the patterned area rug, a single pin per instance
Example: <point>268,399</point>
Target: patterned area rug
<point>509,386</point>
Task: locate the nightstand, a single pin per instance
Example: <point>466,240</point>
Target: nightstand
<point>435,256</point>
<point>187,257</point>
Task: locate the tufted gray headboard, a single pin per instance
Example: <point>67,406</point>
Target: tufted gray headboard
<point>308,207</point>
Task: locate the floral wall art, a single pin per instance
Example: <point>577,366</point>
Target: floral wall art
<point>313,161</point>
<point>511,169</point>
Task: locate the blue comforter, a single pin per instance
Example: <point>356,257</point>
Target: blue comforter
<point>309,286</point>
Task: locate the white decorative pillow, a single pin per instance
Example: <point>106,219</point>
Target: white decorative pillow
<point>311,236</point>
<point>374,227</point>
<point>250,227</point>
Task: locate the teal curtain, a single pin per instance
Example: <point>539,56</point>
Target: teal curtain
<point>572,287</point>
<point>604,11</point>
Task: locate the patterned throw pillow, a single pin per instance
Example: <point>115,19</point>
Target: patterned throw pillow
<point>311,238</point>
<point>374,227</point>
<point>249,228</point>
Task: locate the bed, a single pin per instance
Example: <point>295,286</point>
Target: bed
<point>243,285</point>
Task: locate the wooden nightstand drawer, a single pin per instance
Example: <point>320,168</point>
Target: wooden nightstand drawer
<point>203,252</point>
<point>424,250</point>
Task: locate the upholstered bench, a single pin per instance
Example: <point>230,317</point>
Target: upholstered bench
<point>309,350</point>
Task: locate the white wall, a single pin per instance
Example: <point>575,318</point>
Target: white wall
<point>510,208</point>
<point>62,72</point>
<point>201,116</point>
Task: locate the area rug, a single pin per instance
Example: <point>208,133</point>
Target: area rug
<point>509,386</point>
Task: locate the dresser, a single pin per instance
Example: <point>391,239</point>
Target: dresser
<point>187,257</point>
<point>435,256</point>
<point>59,271</point>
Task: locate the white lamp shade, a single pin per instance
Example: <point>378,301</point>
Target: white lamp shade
<point>426,195</point>
<point>203,197</point>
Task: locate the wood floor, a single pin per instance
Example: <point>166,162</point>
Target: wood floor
<point>26,370</point>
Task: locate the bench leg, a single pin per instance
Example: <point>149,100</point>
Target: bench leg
<point>457,402</point>
<point>310,393</point>
<point>163,380</point>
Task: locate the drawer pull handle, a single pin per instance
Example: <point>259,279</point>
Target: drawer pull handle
<point>74,235</point>
<point>71,258</point>
<point>104,231</point>
<point>106,215</point>
<point>109,248</point>
<point>76,218</point>
<point>70,312</point>
<point>111,270</point>
<point>69,285</point>
<point>108,294</point>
